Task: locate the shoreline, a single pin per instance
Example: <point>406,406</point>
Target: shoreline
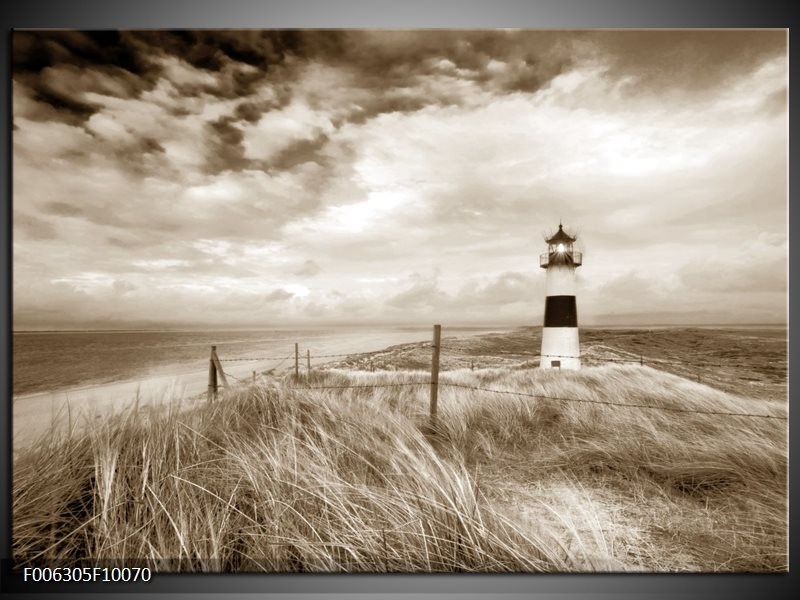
<point>363,343</point>
<point>35,413</point>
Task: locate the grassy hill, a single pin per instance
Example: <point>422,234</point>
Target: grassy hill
<point>272,478</point>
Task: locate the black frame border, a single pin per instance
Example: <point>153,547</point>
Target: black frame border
<point>535,14</point>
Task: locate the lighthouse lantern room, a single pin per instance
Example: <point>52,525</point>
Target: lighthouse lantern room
<point>560,341</point>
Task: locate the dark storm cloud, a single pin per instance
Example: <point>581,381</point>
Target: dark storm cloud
<point>688,60</point>
<point>387,72</point>
<point>297,153</point>
<point>210,49</point>
<point>73,109</point>
<point>62,66</point>
<point>397,58</point>
<point>384,61</point>
<point>249,111</point>
<point>133,51</point>
<point>70,81</point>
<point>226,150</point>
<point>34,51</point>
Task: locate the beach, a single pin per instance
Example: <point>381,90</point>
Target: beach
<point>181,376</point>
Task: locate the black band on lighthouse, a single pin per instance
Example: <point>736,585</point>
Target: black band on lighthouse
<point>560,311</point>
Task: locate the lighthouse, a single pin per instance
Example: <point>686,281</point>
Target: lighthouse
<point>560,343</point>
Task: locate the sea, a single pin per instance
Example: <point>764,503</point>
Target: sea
<point>49,361</point>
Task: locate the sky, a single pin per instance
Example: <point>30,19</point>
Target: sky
<point>212,179</point>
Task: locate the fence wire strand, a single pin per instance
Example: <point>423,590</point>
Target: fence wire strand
<point>234,376</point>
<point>345,354</point>
<point>242,359</point>
<point>341,387</point>
<point>643,360</point>
<point>621,404</point>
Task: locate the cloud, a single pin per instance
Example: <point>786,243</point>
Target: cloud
<point>308,269</point>
<point>512,296</point>
<point>684,62</point>
<point>631,292</point>
<point>121,286</point>
<point>423,293</point>
<point>758,266</point>
<point>507,288</point>
<point>276,131</point>
<point>33,227</point>
<point>277,296</point>
<point>157,170</point>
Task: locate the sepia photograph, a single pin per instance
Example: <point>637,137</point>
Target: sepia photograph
<point>400,300</point>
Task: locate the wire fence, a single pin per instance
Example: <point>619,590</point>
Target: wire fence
<point>543,397</point>
<point>344,354</point>
<point>435,384</point>
<point>640,360</point>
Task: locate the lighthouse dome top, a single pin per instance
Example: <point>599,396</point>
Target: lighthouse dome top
<point>561,237</point>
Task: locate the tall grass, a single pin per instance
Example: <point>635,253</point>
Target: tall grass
<point>709,490</point>
<point>272,478</point>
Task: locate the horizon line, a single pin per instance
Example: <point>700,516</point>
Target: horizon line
<point>393,325</point>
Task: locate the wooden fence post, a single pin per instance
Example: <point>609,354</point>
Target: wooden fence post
<point>308,359</point>
<point>641,360</point>
<point>254,376</point>
<point>218,365</point>
<point>296,362</point>
<point>437,336</point>
<point>212,375</point>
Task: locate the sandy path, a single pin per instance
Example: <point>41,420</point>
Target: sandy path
<point>36,413</point>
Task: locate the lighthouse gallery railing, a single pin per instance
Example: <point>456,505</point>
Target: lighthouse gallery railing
<point>544,259</point>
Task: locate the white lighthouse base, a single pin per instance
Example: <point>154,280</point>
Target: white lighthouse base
<point>560,348</point>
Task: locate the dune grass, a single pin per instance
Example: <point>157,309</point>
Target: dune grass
<point>271,478</point>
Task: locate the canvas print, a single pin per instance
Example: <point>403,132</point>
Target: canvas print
<point>409,301</point>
